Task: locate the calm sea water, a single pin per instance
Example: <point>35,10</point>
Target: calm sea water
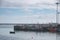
<point>22,35</point>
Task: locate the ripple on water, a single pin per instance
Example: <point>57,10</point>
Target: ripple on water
<point>8,38</point>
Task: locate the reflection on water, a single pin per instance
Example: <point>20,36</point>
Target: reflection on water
<point>26,35</point>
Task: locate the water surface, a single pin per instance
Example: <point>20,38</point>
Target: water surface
<point>26,35</point>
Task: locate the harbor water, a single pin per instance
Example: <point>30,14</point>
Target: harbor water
<point>26,35</point>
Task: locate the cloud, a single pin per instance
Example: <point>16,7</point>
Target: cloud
<point>28,6</point>
<point>48,4</point>
<point>37,18</point>
<point>22,11</point>
<point>27,3</point>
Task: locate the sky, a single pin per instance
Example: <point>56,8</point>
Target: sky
<point>28,11</point>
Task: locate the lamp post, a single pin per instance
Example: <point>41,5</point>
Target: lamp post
<point>57,13</point>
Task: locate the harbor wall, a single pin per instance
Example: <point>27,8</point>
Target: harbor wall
<point>34,27</point>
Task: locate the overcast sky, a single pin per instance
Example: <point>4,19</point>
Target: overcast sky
<point>28,11</point>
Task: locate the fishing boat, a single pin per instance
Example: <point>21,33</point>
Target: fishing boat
<point>12,32</point>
